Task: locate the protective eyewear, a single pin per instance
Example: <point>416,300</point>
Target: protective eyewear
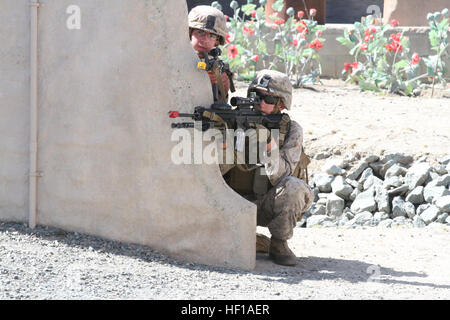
<point>268,99</point>
<point>200,33</point>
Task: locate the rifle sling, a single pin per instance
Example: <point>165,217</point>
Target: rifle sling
<point>223,94</point>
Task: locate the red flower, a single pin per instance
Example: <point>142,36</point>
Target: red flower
<point>319,45</point>
<point>398,48</point>
<point>366,38</point>
<point>248,31</point>
<point>301,27</point>
<point>373,30</point>
<point>348,67</point>
<point>253,13</point>
<point>300,14</point>
<point>312,12</point>
<point>395,43</point>
<point>415,58</point>
<point>319,33</point>
<point>255,58</point>
<point>364,46</point>
<point>396,37</point>
<point>367,32</point>
<point>295,42</point>
<point>279,21</point>
<point>394,23</point>
<point>394,46</point>
<point>232,51</point>
<point>316,44</point>
<point>227,39</point>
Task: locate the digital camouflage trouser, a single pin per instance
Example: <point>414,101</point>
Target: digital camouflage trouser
<point>283,205</point>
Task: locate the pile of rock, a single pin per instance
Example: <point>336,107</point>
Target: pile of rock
<point>387,191</point>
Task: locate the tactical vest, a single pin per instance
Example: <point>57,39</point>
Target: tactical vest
<point>248,183</point>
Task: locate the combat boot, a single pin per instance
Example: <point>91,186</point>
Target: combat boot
<point>280,253</point>
<point>262,243</point>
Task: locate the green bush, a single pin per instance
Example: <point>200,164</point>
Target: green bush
<point>383,63</point>
<point>291,46</point>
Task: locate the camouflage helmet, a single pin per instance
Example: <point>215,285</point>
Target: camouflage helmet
<point>274,82</point>
<point>209,19</point>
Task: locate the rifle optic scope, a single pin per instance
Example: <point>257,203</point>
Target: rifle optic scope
<point>238,101</point>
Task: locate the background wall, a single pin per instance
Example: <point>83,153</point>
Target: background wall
<point>104,133</point>
<point>14,105</point>
<point>349,11</point>
<point>412,12</point>
<point>337,11</point>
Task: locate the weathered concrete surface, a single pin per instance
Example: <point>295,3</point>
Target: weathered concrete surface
<point>14,105</point>
<point>412,12</point>
<point>105,138</point>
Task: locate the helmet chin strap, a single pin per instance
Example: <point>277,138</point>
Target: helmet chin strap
<point>278,108</point>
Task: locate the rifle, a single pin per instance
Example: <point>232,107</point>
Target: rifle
<point>217,66</point>
<point>223,116</point>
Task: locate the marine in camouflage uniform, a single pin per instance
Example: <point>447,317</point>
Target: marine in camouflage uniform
<point>281,195</point>
<point>208,30</point>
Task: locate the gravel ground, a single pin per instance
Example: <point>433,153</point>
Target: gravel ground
<point>370,263</point>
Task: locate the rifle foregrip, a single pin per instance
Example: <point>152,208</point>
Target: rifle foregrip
<point>232,88</point>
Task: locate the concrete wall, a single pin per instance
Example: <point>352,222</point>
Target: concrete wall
<point>412,12</point>
<point>14,104</point>
<point>104,135</point>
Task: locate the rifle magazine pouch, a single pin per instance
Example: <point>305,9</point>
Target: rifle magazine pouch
<point>241,181</point>
<point>260,182</point>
